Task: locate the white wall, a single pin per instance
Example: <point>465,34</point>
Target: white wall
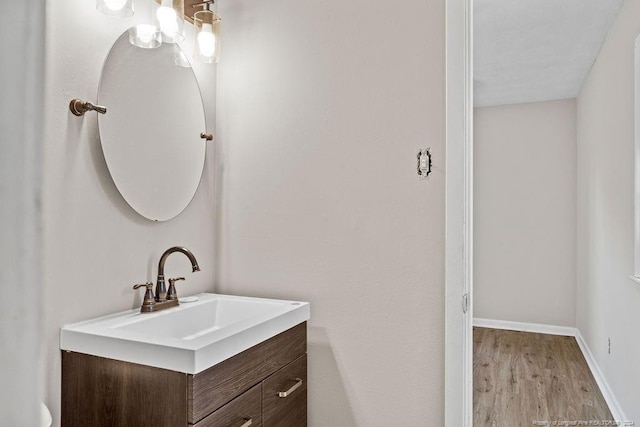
<point>524,212</point>
<point>608,304</point>
<point>95,245</point>
<point>21,75</point>
<point>322,107</point>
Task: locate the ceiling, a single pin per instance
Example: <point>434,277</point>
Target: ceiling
<point>536,50</point>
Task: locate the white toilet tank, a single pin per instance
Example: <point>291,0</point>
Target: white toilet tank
<point>45,416</point>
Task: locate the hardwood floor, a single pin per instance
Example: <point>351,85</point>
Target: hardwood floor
<point>527,379</point>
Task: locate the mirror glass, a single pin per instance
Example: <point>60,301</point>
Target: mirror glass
<point>150,134</point>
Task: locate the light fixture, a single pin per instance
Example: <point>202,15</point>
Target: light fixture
<point>165,24</point>
<point>146,36</point>
<point>169,17</point>
<point>117,8</point>
<point>207,40</point>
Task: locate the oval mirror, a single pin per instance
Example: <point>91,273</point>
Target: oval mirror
<point>150,134</point>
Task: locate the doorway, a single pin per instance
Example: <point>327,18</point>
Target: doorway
<point>531,59</point>
<point>460,176</point>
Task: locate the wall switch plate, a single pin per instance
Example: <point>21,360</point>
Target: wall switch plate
<point>424,163</point>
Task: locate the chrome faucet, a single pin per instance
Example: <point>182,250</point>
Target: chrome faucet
<point>161,289</point>
<point>163,298</point>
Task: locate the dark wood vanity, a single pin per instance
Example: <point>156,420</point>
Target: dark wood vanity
<point>264,386</point>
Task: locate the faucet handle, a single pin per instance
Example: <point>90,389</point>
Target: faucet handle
<point>149,300</point>
<point>171,293</point>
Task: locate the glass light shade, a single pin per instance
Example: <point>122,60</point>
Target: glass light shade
<point>207,40</point>
<point>181,59</point>
<point>117,8</point>
<point>146,36</point>
<point>169,17</point>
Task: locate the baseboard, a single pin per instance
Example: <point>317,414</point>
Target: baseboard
<point>607,393</point>
<point>525,327</point>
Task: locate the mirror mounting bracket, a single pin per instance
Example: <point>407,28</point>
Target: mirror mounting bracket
<point>78,107</point>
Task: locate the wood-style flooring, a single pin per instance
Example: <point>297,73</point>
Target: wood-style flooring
<point>528,379</point>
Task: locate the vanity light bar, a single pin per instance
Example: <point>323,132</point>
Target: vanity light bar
<point>124,8</point>
<point>166,25</point>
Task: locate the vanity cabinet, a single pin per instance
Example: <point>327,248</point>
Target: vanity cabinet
<point>264,386</point>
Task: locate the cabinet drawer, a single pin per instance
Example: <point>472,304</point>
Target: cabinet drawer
<point>284,404</point>
<point>209,390</point>
<point>243,411</point>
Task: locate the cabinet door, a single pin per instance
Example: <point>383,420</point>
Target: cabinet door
<point>284,396</point>
<point>101,392</point>
<point>243,411</point>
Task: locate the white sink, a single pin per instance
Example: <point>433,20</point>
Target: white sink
<point>189,338</point>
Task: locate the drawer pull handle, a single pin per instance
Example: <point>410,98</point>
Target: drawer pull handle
<point>247,422</point>
<point>292,389</point>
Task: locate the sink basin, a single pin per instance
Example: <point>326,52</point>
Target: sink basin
<point>189,338</point>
